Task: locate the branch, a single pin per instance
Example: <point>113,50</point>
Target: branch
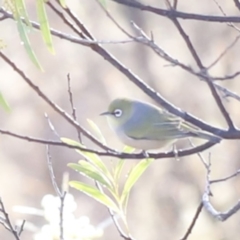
<point>65,115</point>
<point>225,178</point>
<point>199,209</point>
<point>237,4</point>
<point>114,153</point>
<point>203,70</point>
<point>172,14</point>
<point>72,105</point>
<point>5,221</point>
<point>221,216</point>
<point>60,194</point>
<point>230,134</point>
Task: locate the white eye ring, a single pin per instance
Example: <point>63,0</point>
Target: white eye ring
<point>117,113</point>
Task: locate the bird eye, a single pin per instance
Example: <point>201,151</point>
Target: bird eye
<point>117,113</point>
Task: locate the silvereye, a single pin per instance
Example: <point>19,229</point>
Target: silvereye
<point>144,126</point>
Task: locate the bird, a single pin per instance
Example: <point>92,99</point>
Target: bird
<point>144,126</point>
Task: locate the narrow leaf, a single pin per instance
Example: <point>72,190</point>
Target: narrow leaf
<point>120,164</point>
<point>92,157</point>
<point>96,129</point>
<point>103,2</point>
<point>87,169</point>
<point>63,3</point>
<point>22,11</point>
<point>26,43</point>
<point>94,193</point>
<point>134,175</point>
<point>44,25</point>
<point>118,169</point>
<point>4,103</point>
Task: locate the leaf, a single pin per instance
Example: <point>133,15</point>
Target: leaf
<point>24,37</point>
<point>95,193</point>
<point>103,2</point>
<point>4,103</point>
<point>21,11</point>
<point>2,44</point>
<point>118,169</point>
<point>120,164</point>
<point>96,129</point>
<point>134,175</point>
<point>63,3</point>
<point>92,157</point>
<point>87,169</point>
<point>44,25</point>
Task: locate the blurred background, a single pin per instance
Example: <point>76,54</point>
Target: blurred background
<point>164,200</point>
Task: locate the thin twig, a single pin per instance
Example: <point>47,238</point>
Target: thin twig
<point>225,178</point>
<point>237,4</point>
<point>65,115</point>
<point>60,194</point>
<point>51,126</point>
<point>221,216</point>
<point>194,220</point>
<point>224,52</point>
<point>6,222</point>
<point>72,105</point>
<point>227,77</point>
<point>230,24</point>
<point>203,70</point>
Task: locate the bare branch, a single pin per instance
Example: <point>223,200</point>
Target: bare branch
<point>194,220</point>
<point>221,216</point>
<point>114,153</point>
<point>143,86</point>
<point>227,77</point>
<point>204,71</point>
<point>65,115</point>
<point>225,178</point>
<point>5,221</point>
<point>226,92</point>
<point>72,105</point>
<point>171,14</point>
<point>60,194</point>
<point>237,4</point>
<point>224,52</point>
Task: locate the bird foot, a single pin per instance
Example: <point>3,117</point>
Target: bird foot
<point>145,153</point>
<point>175,152</point>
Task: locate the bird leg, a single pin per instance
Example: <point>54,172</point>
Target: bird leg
<point>175,152</point>
<point>145,153</point>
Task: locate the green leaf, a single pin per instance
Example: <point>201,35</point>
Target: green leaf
<point>118,169</point>
<point>92,157</point>
<point>87,169</point>
<point>22,11</point>
<point>103,2</point>
<point>97,131</point>
<point>63,3</point>
<point>24,37</point>
<point>134,175</point>
<point>2,44</point>
<point>96,194</point>
<point>120,164</point>
<point>44,25</point>
<point>128,149</point>
<point>4,103</point>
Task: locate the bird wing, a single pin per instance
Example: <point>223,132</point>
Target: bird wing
<point>163,127</point>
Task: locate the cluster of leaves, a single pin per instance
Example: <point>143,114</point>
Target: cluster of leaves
<point>92,166</point>
<point>19,11</point>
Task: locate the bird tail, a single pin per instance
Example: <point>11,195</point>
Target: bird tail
<point>207,136</point>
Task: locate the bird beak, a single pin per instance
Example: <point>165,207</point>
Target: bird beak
<point>105,113</point>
